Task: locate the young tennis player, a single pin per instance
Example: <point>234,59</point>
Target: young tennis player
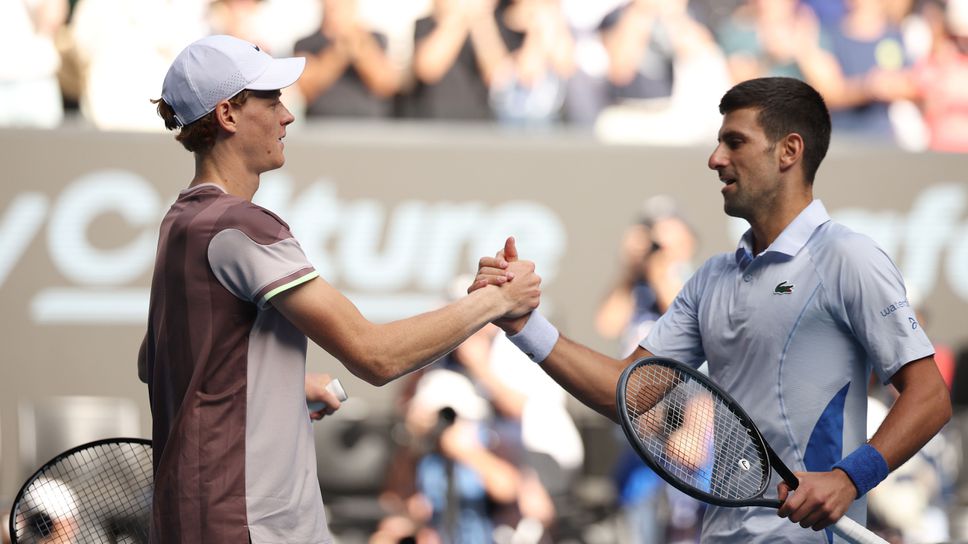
<point>792,323</point>
<point>233,298</point>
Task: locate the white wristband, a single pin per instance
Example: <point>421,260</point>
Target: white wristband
<point>537,338</point>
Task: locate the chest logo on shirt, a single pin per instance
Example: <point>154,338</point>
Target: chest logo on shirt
<point>783,288</point>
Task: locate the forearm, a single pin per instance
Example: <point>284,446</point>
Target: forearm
<point>322,71</point>
<point>436,53</point>
<point>376,70</point>
<point>378,353</point>
<point>626,44</point>
<point>587,375</point>
<point>506,400</point>
<point>489,49</point>
<point>501,480</point>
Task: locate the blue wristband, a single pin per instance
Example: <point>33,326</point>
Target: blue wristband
<point>866,467</point>
<point>537,338</point>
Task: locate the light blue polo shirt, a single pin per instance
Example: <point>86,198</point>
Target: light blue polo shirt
<point>793,334</point>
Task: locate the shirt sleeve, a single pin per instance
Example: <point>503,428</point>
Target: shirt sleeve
<point>677,334</point>
<point>258,259</point>
<point>870,293</point>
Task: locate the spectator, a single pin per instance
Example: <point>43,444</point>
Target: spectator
<point>29,92</point>
<point>777,38</point>
<point>458,49</point>
<point>937,83</point>
<point>655,262</point>
<point>239,18</point>
<point>273,25</point>
<point>348,73</point>
<point>698,75</point>
<point>587,91</point>
<point>529,87</point>
<point>458,474</point>
<point>124,49</point>
<point>535,430</point>
<point>525,416</point>
<point>869,48</point>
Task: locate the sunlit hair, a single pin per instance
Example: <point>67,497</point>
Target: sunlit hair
<point>786,105</point>
<point>199,135</point>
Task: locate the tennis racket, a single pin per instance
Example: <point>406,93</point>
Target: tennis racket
<point>700,440</point>
<point>99,492</point>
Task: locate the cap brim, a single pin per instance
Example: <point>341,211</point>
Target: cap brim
<point>280,74</point>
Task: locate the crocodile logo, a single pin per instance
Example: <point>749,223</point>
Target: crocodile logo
<point>783,289</point>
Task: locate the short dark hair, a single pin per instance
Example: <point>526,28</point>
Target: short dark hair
<point>199,135</point>
<point>786,105</point>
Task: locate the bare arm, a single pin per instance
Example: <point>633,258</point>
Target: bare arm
<point>436,52</point>
<point>627,41</point>
<point>500,478</point>
<point>376,70</point>
<point>379,353</point>
<point>489,49</point>
<point>920,411</point>
<point>322,70</point>
<point>588,375</point>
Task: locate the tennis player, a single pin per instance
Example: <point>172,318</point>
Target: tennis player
<point>233,298</point>
<point>792,324</point>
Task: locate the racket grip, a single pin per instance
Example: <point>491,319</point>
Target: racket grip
<point>855,533</point>
<point>333,387</point>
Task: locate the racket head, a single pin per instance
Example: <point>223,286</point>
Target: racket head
<point>693,434</point>
<point>96,492</point>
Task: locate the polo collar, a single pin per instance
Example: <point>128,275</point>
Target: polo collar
<point>793,237</point>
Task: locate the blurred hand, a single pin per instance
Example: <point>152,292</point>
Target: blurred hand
<point>460,440</point>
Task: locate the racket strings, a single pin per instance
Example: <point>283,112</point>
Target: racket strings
<point>100,494</point>
<point>691,433</point>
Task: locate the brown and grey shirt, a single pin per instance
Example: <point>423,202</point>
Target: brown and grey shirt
<point>233,443</point>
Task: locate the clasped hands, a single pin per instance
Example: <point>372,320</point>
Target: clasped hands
<point>517,278</point>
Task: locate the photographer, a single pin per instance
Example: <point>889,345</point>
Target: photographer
<point>655,262</point>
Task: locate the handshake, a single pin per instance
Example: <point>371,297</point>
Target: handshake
<point>515,283</point>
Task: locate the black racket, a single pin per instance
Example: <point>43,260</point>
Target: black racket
<point>96,493</point>
<point>700,440</point>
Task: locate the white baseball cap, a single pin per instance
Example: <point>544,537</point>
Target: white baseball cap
<point>219,67</point>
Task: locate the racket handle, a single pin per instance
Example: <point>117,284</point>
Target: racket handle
<point>855,533</point>
<point>333,387</point>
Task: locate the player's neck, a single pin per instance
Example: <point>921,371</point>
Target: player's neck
<point>773,221</point>
<point>227,174</point>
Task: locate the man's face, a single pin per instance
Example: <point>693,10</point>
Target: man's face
<point>747,165</point>
<point>262,125</point>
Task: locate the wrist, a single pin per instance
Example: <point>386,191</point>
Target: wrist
<point>865,467</point>
<point>536,338</point>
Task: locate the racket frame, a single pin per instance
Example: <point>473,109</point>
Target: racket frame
<point>772,461</point>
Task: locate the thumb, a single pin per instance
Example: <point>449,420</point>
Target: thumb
<point>510,250</point>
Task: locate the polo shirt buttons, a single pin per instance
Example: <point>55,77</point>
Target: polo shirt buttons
<point>747,277</point>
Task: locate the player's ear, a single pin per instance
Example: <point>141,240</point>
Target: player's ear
<point>226,115</point>
<point>790,149</point>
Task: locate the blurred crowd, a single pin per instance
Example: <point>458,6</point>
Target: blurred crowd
<point>648,71</point>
